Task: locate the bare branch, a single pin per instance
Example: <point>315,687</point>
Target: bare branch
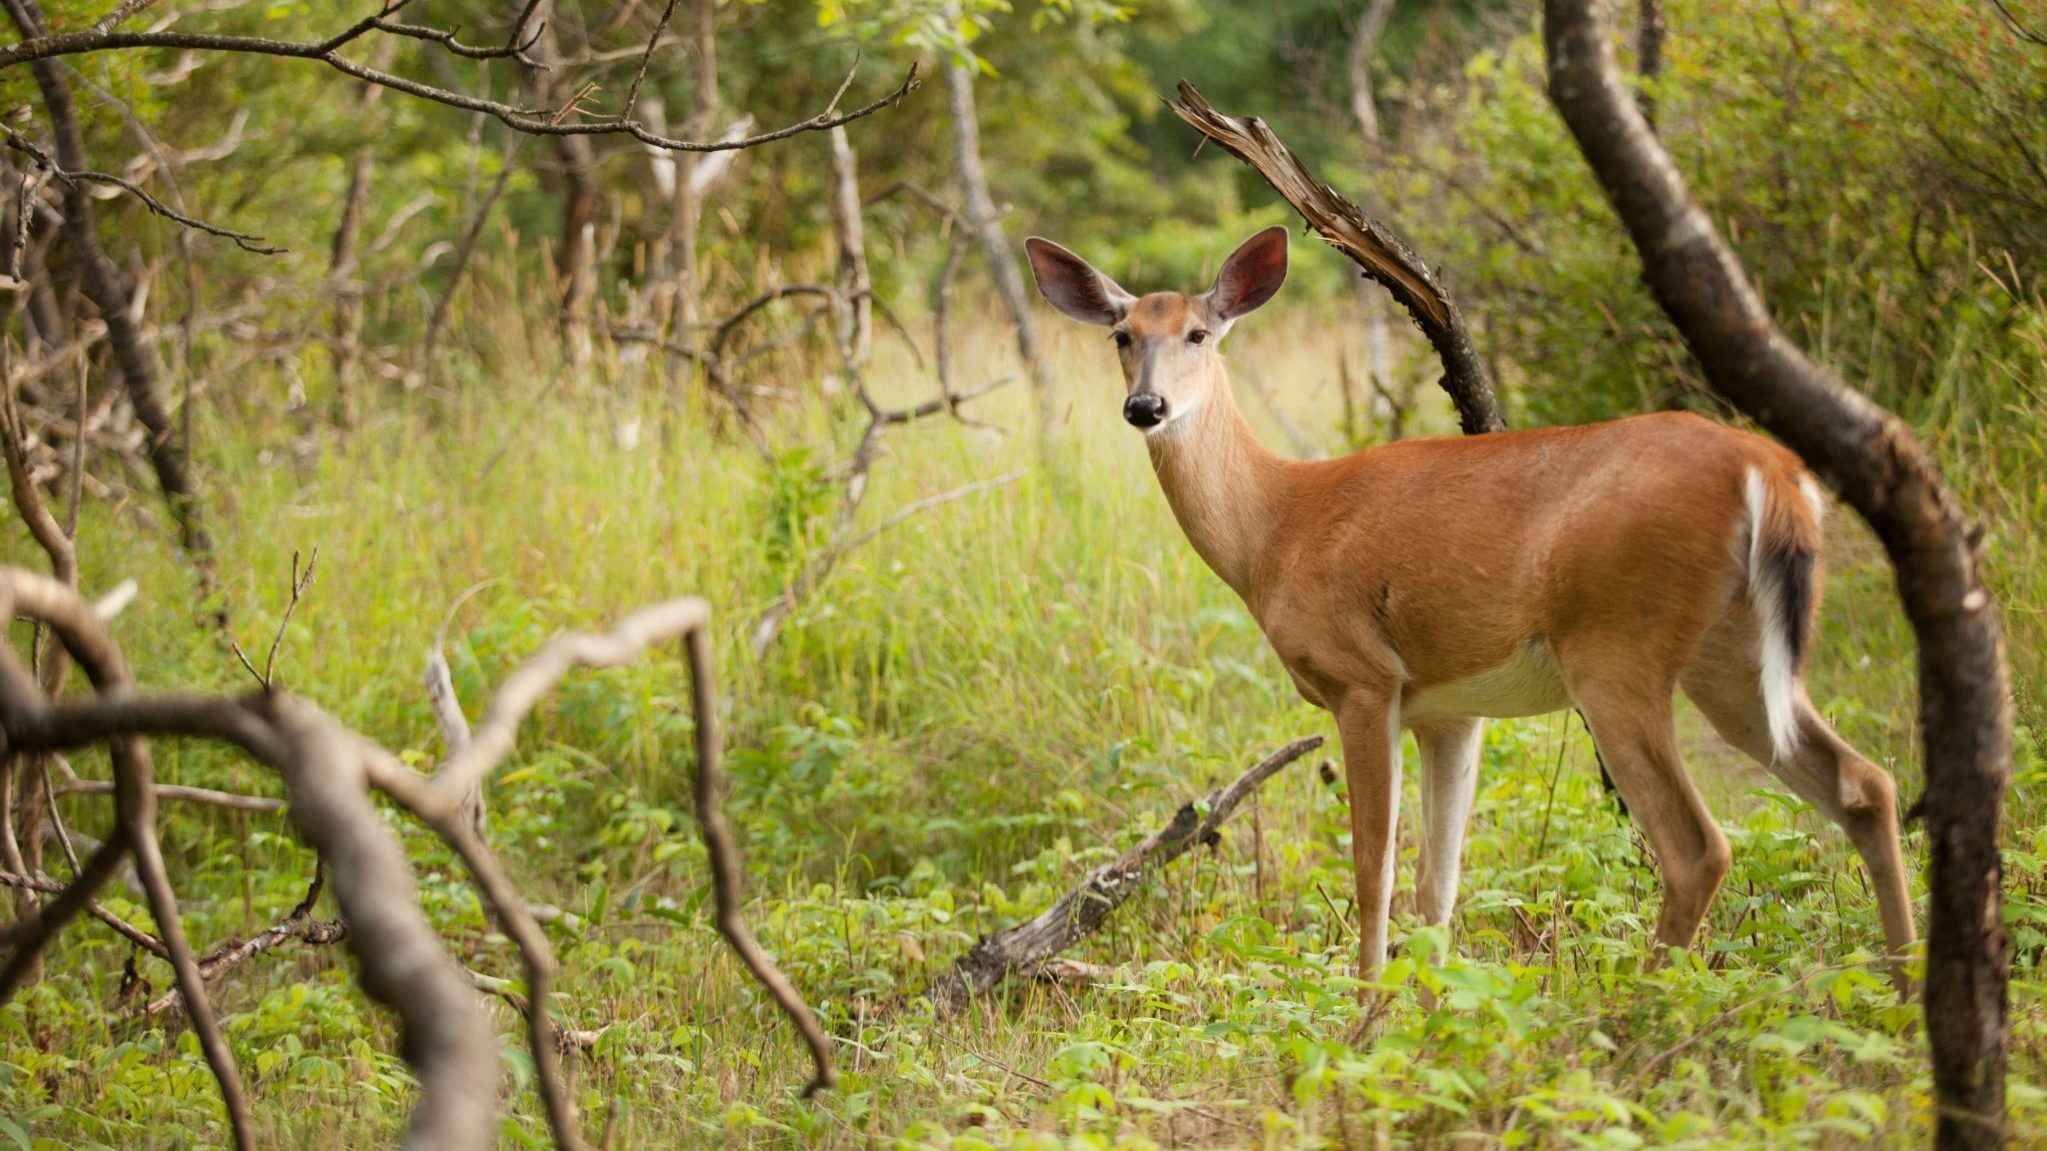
<point>200,795</point>
<point>298,923</point>
<point>532,121</point>
<point>243,240</point>
<point>726,878</point>
<point>299,582</point>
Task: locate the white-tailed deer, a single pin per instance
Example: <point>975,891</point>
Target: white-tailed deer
<point>1428,584</point>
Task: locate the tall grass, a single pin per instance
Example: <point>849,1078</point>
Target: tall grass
<point>976,707</point>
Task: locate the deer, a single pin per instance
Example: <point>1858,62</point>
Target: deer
<point>1428,585</point>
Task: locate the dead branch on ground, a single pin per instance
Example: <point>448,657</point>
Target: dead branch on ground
<point>1031,947</point>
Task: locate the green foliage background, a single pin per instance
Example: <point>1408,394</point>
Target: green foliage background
<point>999,694</point>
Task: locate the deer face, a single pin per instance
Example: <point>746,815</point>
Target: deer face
<point>1166,341</point>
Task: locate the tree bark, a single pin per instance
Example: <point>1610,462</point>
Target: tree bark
<point>856,288</point>
<point>1649,32</point>
<point>111,294</point>
<point>1871,458</point>
<point>985,222</point>
<point>575,270</point>
<point>685,227</point>
<point>1364,107</point>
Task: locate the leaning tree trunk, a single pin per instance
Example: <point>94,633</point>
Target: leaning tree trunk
<point>985,223</point>
<point>111,295</point>
<point>1871,458</point>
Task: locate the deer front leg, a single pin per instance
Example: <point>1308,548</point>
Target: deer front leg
<point>1370,725</point>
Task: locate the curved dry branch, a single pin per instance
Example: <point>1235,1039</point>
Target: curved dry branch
<point>726,880</point>
<point>84,635</point>
<point>328,772</point>
<point>1383,255</point>
<point>1871,458</point>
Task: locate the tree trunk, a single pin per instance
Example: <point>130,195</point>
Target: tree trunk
<point>985,222</point>
<point>1364,107</point>
<point>111,295</point>
<point>575,270</point>
<point>1871,458</point>
<point>856,326</point>
<point>341,268</point>
<point>686,224</point>
<point>1649,33</point>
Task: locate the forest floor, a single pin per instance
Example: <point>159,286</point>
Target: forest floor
<point>973,709</point>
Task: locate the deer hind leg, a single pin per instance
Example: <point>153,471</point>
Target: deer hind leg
<point>1724,682</point>
<point>1629,710</point>
<point>1449,767</point>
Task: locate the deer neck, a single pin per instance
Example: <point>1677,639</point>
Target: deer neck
<point>1222,483</point>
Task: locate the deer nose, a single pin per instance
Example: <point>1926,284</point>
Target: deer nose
<point>1144,410</point>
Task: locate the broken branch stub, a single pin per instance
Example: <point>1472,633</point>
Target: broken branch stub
<point>1369,244</point>
<point>1081,911</point>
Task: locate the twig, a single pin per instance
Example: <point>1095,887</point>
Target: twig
<point>296,924</point>
<point>298,585</point>
<point>243,240</point>
<point>211,798</point>
<point>929,502</point>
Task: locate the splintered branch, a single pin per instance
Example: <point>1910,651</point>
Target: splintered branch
<point>329,773</point>
<point>298,923</point>
<point>1383,255</point>
<point>1030,945</point>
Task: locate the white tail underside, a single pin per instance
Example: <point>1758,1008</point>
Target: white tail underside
<point>1767,598</point>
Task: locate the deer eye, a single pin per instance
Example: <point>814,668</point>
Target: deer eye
<point>1197,336</point>
<point>1122,339</point>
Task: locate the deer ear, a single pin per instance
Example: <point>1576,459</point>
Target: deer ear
<point>1074,287</point>
<point>1251,276</point>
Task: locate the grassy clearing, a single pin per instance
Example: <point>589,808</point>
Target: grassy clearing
<point>981,704</point>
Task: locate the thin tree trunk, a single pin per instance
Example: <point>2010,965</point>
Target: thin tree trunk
<point>341,268</point>
<point>1363,106</point>
<point>856,325</point>
<point>985,222</point>
<point>1649,32</point>
<point>575,270</point>
<point>1872,459</point>
<point>686,225</point>
<point>112,296</point>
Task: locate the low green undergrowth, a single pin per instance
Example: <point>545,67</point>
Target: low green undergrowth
<point>974,709</point>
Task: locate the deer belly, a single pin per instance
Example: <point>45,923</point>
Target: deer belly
<point>1529,683</point>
